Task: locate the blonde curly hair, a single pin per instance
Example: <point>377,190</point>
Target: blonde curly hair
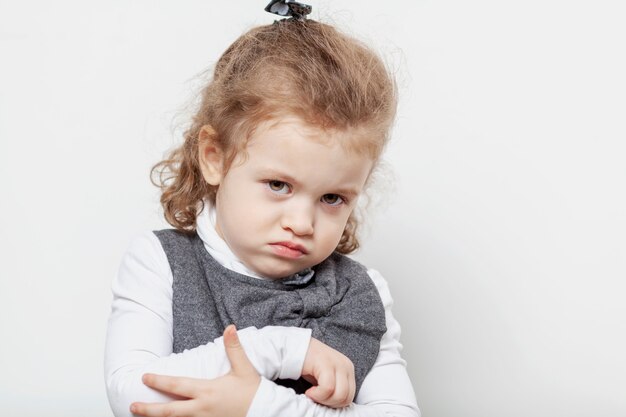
<point>304,68</point>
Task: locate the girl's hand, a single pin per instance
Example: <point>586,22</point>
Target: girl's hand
<point>229,395</point>
<point>331,373</point>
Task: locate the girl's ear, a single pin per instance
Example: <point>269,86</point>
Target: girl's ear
<point>210,156</point>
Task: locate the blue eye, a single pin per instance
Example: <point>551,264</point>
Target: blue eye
<point>279,187</point>
<point>333,199</point>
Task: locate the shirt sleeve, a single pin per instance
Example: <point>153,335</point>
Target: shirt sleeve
<point>386,391</point>
<point>139,334</point>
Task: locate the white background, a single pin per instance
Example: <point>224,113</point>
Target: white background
<point>503,242</point>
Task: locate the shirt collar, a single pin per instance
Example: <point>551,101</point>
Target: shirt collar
<point>216,246</point>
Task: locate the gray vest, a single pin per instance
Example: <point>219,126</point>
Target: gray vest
<point>340,303</point>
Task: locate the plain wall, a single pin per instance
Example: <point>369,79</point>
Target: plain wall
<point>502,236</point>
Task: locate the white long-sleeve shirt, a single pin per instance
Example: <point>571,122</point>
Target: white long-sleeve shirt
<point>139,340</point>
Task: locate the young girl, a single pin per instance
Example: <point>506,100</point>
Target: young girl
<point>262,196</point>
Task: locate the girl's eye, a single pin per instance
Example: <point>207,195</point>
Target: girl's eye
<point>278,187</point>
<point>332,199</point>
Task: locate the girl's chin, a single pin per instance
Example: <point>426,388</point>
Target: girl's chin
<point>276,272</point>
<point>282,275</point>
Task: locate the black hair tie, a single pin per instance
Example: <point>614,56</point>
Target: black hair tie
<point>295,10</point>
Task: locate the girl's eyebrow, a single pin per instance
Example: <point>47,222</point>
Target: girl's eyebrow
<point>348,193</point>
<point>272,173</point>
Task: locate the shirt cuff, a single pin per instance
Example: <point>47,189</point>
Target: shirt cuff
<point>262,399</point>
<point>296,347</point>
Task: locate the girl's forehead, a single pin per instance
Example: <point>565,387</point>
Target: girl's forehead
<point>353,140</point>
<point>291,140</point>
<point>289,126</point>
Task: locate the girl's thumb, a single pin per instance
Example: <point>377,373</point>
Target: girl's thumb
<point>239,361</point>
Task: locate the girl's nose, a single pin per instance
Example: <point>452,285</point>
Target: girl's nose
<point>299,218</point>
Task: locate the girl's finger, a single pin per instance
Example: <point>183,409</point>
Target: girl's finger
<point>324,389</point>
<point>185,408</point>
<point>177,385</point>
<point>341,394</point>
<point>342,390</point>
<point>239,361</point>
<point>350,388</point>
<point>352,385</point>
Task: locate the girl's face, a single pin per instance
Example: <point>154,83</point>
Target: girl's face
<point>284,207</point>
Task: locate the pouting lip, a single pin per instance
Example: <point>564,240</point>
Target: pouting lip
<point>291,245</point>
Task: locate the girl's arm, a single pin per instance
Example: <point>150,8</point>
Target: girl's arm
<point>139,335</point>
<point>386,390</point>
